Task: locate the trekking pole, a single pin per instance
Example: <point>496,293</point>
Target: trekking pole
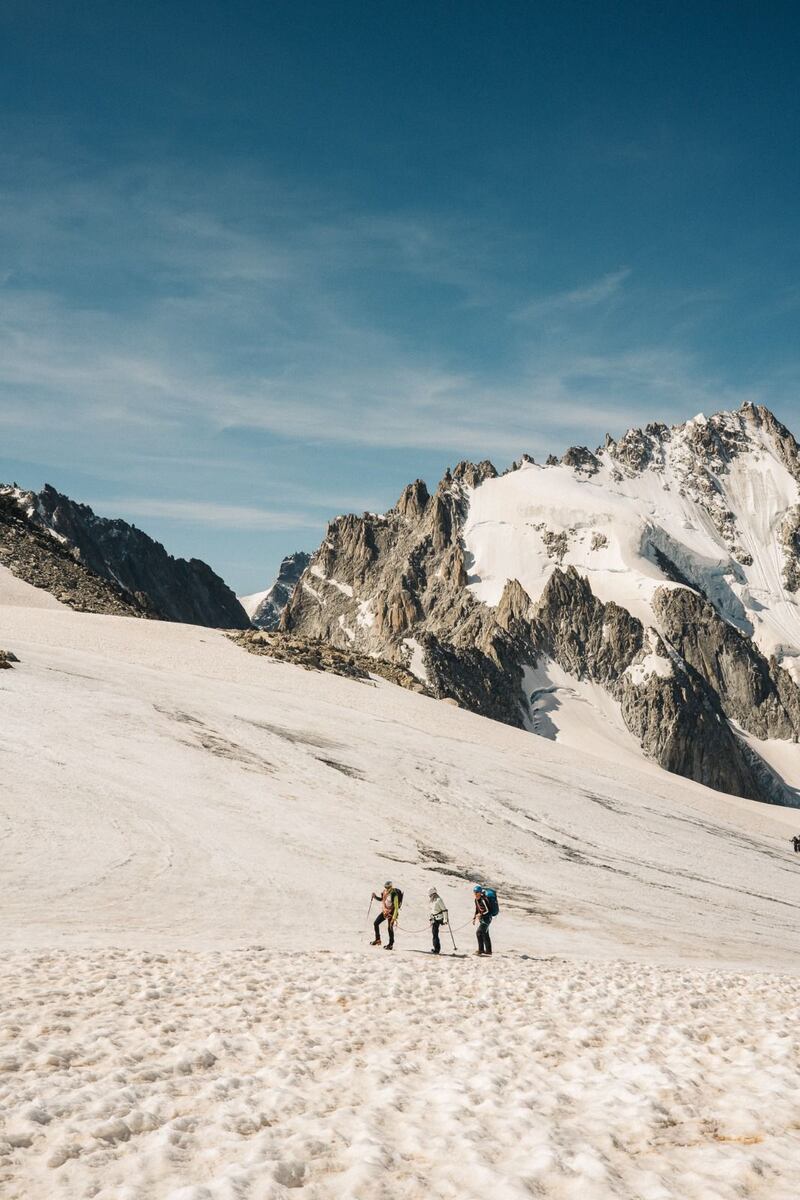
<point>369,910</point>
<point>450,929</point>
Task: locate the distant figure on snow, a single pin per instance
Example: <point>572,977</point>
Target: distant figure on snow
<point>484,919</point>
<point>796,843</point>
<point>437,918</point>
<point>391,898</point>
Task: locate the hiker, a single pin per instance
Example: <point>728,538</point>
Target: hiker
<point>391,898</point>
<point>484,918</point>
<point>437,918</point>
<point>796,843</point>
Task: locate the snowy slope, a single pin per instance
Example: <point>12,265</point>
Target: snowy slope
<point>610,523</point>
<point>190,838</point>
<point>161,786</point>
<point>252,603</point>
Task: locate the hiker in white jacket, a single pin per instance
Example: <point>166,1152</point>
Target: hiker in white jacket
<point>437,917</point>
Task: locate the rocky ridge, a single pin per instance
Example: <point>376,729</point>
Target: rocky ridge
<point>321,656</point>
<point>142,577</point>
<point>402,585</point>
<point>35,556</point>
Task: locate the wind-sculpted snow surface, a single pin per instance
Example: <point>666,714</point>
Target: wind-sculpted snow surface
<point>256,1076</point>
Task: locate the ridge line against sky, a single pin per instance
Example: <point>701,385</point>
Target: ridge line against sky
<point>272,263</point>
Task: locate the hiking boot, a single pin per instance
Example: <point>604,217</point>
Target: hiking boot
<point>479,953</point>
<point>377,942</point>
<point>434,951</point>
<point>388,947</point>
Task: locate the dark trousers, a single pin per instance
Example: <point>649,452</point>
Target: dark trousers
<point>378,922</point>
<point>484,941</point>
<point>435,927</point>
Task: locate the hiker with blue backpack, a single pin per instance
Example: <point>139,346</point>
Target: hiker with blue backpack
<point>486,907</point>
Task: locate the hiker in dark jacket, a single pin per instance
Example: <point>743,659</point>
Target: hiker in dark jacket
<point>484,919</point>
<point>390,910</point>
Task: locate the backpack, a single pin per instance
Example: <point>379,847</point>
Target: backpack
<point>399,895</point>
<point>491,900</point>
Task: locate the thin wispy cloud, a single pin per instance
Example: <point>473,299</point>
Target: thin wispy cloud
<point>588,295</point>
<point>196,512</point>
<point>152,331</point>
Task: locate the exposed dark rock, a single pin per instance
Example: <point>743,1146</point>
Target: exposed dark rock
<point>556,544</point>
<point>789,537</point>
<point>753,691</point>
<point>679,724</point>
<point>268,613</point>
<point>7,659</point>
<point>581,459</point>
<point>638,448</point>
<point>38,558</point>
<point>672,711</point>
<point>587,638</point>
<point>175,589</point>
<point>475,680</point>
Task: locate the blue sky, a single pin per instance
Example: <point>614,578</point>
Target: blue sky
<point>264,262</point>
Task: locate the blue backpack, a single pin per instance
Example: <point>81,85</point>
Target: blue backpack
<point>491,900</point>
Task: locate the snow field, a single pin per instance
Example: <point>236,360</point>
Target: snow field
<point>189,1010</point>
<point>161,787</point>
<point>257,1076</point>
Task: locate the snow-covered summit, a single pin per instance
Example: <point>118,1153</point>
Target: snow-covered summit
<point>712,503</point>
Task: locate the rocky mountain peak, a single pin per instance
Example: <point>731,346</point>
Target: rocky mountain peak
<point>266,608</point>
<point>413,500</point>
<point>473,474</point>
<point>581,459</point>
<point>515,605</point>
<point>705,443</point>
